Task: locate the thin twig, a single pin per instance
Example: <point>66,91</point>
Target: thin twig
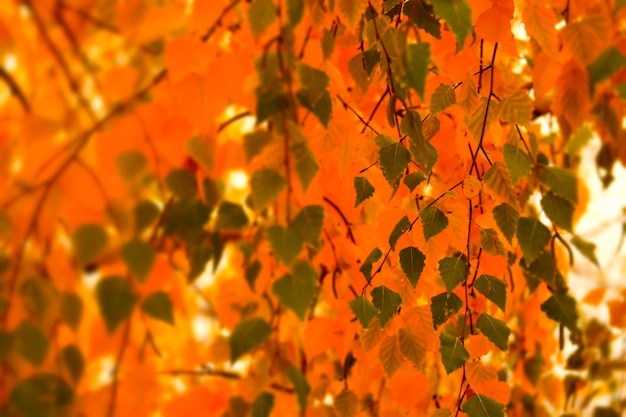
<point>15,89</point>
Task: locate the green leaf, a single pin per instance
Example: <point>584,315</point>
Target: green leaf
<point>587,249</point>
<point>305,161</point>
<point>532,236</point>
<point>443,306</point>
<point>413,180</point>
<point>423,152</point>
<point>197,148</point>
<point>263,405</point>
<point>606,64</point>
<point>41,395</point>
<point>387,301</point>
<point>544,267</point>
<point>412,262</point>
<point>89,241</point>
<point>496,330</point>
<point>74,361</point>
<point>393,161</point>
<point>328,43</point>
<point>517,162</point>
<point>139,258</point>
<point>255,142</point>
<point>38,295</point>
<point>561,182</point>
<point>490,242</point>
<point>198,257</point>
<point>115,300</point>
<point>265,187</point>
<point>453,270</point>
<point>458,15</point>
<point>516,108</point>
<point>364,310</point>
<point>497,180</point>
<point>506,218</point>
<point>252,272</point>
<point>366,268</point>
<point>298,289</point>
<point>390,355</point>
<point>482,406</point>
<point>146,212</point>
<point>321,108</point>
<point>412,347</point>
<point>31,343</point>
<point>559,210</point>
<point>295,10</point>
<point>300,386</point>
<point>401,226</point>
<point>308,225</point>
<point>346,404</point>
<point>247,335</point>
<point>7,339</point>
<point>158,305</point>
<point>186,219</point>
<point>230,216</point>
<point>285,243</point>
<point>433,221</point>
<point>562,309</point>
<point>314,81</point>
<point>364,190</point>
<point>442,98</point>
<point>453,354</point>
<point>579,139</point>
<point>212,192</point>
<point>261,15</point>
<point>351,10</point>
<point>359,73</point>
<point>182,183</point>
<point>422,15</point>
<point>416,60</point>
<point>71,309</point>
<point>130,164</point>
<point>494,289</point>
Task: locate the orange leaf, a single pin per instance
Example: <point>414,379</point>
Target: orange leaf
<point>572,94</point>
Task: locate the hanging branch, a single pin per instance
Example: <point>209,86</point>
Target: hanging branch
<point>15,89</point>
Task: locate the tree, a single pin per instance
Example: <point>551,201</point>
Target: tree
<point>323,207</point>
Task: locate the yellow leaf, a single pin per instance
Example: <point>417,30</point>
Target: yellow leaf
<point>587,37</point>
<point>390,356</point>
<point>572,94</point>
<point>498,182</point>
<point>539,21</point>
<point>466,95</point>
<point>351,10</point>
<point>471,186</point>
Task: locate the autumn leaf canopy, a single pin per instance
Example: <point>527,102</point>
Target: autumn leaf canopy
<point>306,207</point>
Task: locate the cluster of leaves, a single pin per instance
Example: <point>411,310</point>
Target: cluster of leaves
<point>324,207</point>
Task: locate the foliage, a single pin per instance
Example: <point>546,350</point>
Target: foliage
<point>313,207</point>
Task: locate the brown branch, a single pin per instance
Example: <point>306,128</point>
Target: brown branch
<point>69,35</point>
<point>233,119</point>
<point>86,16</point>
<point>480,147</point>
<point>73,84</point>
<point>210,372</point>
<point>378,103</point>
<point>90,172</point>
<point>343,217</point>
<point>15,89</point>
<point>116,369</point>
<point>347,106</point>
